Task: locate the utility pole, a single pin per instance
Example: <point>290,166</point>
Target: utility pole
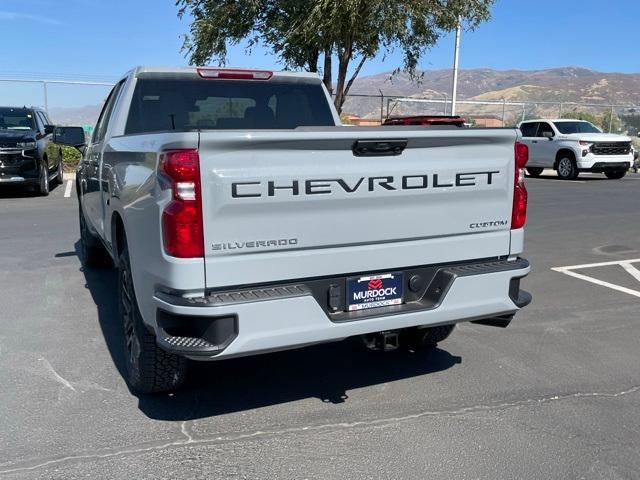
<point>456,51</point>
<point>610,118</point>
<point>46,98</point>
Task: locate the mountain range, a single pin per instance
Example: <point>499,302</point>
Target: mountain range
<point>558,85</point>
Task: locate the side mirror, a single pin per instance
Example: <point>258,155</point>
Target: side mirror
<point>548,135</point>
<point>49,129</point>
<point>70,136</point>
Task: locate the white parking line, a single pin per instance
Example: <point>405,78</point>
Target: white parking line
<point>67,190</point>
<point>631,270</point>
<point>626,264</point>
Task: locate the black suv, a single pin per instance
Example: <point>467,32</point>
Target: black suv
<point>28,155</point>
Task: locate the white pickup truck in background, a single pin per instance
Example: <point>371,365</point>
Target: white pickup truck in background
<point>574,146</point>
<point>243,219</point>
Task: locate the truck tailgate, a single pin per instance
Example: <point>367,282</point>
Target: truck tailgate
<point>281,205</point>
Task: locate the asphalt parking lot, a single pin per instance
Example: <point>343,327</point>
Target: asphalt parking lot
<point>555,395</point>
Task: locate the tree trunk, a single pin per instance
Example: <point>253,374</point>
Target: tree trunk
<point>327,74</point>
<point>353,77</point>
<point>343,64</point>
<point>313,57</point>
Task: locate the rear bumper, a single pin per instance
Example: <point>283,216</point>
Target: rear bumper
<point>276,317</point>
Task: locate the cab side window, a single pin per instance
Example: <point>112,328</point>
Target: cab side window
<point>545,130</point>
<point>529,129</point>
<point>103,120</point>
<point>39,122</point>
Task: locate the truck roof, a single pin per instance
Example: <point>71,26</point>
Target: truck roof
<point>24,107</point>
<point>554,120</point>
<point>142,69</point>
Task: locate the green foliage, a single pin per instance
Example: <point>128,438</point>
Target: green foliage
<point>344,119</point>
<point>606,121</point>
<point>300,31</point>
<point>631,120</point>
<point>579,115</point>
<point>70,158</point>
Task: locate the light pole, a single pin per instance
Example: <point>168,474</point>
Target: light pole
<point>456,51</point>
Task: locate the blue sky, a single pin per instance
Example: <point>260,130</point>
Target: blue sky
<point>101,39</point>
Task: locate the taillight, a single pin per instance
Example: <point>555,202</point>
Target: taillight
<point>234,74</point>
<point>182,228</point>
<point>519,213</point>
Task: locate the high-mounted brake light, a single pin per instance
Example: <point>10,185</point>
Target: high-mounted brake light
<point>234,74</point>
<point>520,195</point>
<point>182,228</point>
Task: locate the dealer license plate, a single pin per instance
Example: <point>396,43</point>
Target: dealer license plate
<point>374,291</point>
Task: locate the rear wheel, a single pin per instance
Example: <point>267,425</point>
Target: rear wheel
<point>92,252</point>
<point>534,171</point>
<point>615,174</point>
<point>43,181</point>
<point>149,368</point>
<point>425,338</point>
<point>567,168</point>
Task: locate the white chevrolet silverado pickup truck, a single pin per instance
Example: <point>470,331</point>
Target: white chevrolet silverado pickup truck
<point>574,146</point>
<point>244,219</point>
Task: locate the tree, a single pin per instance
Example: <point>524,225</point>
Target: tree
<point>300,32</point>
<point>580,115</point>
<point>601,121</point>
<point>609,122</point>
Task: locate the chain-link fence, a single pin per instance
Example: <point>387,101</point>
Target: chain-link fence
<point>361,109</point>
<point>79,102</point>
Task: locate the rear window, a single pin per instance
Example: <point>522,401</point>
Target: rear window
<point>180,104</point>
<point>528,129</point>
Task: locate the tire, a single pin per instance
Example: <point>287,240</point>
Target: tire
<point>567,168</point>
<point>534,171</point>
<point>425,338</point>
<point>43,182</point>
<point>92,252</point>
<point>615,174</point>
<point>60,174</point>
<point>149,369</point>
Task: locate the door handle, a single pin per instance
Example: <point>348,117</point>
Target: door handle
<point>375,148</point>
<point>534,141</point>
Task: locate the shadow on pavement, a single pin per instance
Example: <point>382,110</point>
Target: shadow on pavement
<point>580,178</point>
<point>17,191</point>
<point>325,372</point>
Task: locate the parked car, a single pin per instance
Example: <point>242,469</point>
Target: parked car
<point>448,120</point>
<point>574,146</point>
<point>244,219</point>
<point>27,155</point>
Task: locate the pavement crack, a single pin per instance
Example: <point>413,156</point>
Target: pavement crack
<point>185,432</point>
<point>188,438</point>
<point>56,377</point>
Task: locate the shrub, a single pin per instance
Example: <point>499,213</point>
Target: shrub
<point>70,158</point>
